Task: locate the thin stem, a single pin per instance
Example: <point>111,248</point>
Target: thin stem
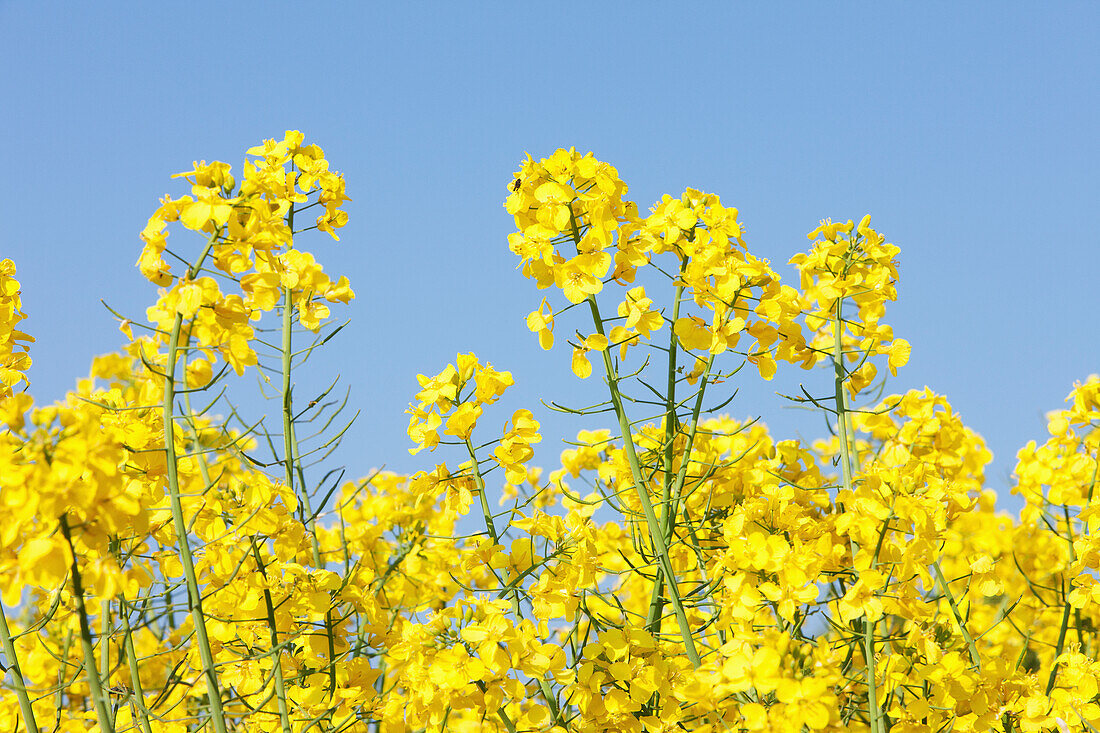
<point>276,655</point>
<point>544,686</point>
<point>95,687</point>
<point>490,526</point>
<point>974,658</point>
<point>18,681</point>
<point>280,688</point>
<point>668,512</point>
<point>105,633</point>
<point>1066,605</point>
<point>194,592</point>
<point>288,408</point>
<point>874,710</point>
<point>291,461</point>
<point>132,663</point>
<point>656,533</point>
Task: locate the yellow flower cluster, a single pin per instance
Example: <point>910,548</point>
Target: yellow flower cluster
<point>14,359</point>
<point>859,268</point>
<point>576,232</point>
<point>457,393</point>
<point>677,570</point>
<point>250,230</point>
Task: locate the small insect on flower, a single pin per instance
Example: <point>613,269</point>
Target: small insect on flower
<point>515,185</point>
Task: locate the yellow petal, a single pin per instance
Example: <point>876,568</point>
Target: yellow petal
<point>546,340</point>
<point>596,342</point>
<point>581,366</point>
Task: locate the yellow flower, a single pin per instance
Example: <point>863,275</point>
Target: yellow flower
<point>491,384</point>
<point>639,316</point>
<point>461,422</point>
<point>199,373</point>
<point>311,313</point>
<point>693,333</point>
<point>829,230</point>
<point>898,352</point>
<point>14,360</point>
<point>576,282</point>
<point>210,206</point>
<point>542,324</point>
<point>440,390</point>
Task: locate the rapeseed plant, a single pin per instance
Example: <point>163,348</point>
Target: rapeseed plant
<point>679,570</point>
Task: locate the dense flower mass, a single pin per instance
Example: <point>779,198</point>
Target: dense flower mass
<point>165,570</point>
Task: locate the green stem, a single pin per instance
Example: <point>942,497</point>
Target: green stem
<point>99,695</point>
<point>501,713</point>
<point>194,592</point>
<point>291,461</point>
<point>132,663</point>
<point>668,513</point>
<point>105,651</point>
<point>18,680</point>
<point>974,658</point>
<point>1059,647</point>
<point>280,684</point>
<point>288,415</point>
<point>62,683</point>
<point>490,526</point>
<point>839,377</point>
<point>656,533</point>
<point>291,458</point>
<point>874,710</point>
<point>544,686</point>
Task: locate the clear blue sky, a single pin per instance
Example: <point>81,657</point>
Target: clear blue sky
<point>968,131</point>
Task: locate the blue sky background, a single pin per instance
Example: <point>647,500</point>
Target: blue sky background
<point>968,131</point>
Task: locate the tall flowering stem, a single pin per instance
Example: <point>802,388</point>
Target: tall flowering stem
<point>668,505</point>
<point>135,668</point>
<point>276,654</point>
<point>874,710</point>
<point>291,461</point>
<point>490,527</point>
<point>656,531</point>
<point>845,267</point>
<point>194,591</point>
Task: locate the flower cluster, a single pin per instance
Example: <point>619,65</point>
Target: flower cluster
<point>250,231</point>
<point>576,232</point>
<point>458,393</point>
<point>859,268</point>
<point>14,359</point>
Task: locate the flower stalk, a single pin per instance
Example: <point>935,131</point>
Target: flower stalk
<point>194,591</point>
<point>18,681</point>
